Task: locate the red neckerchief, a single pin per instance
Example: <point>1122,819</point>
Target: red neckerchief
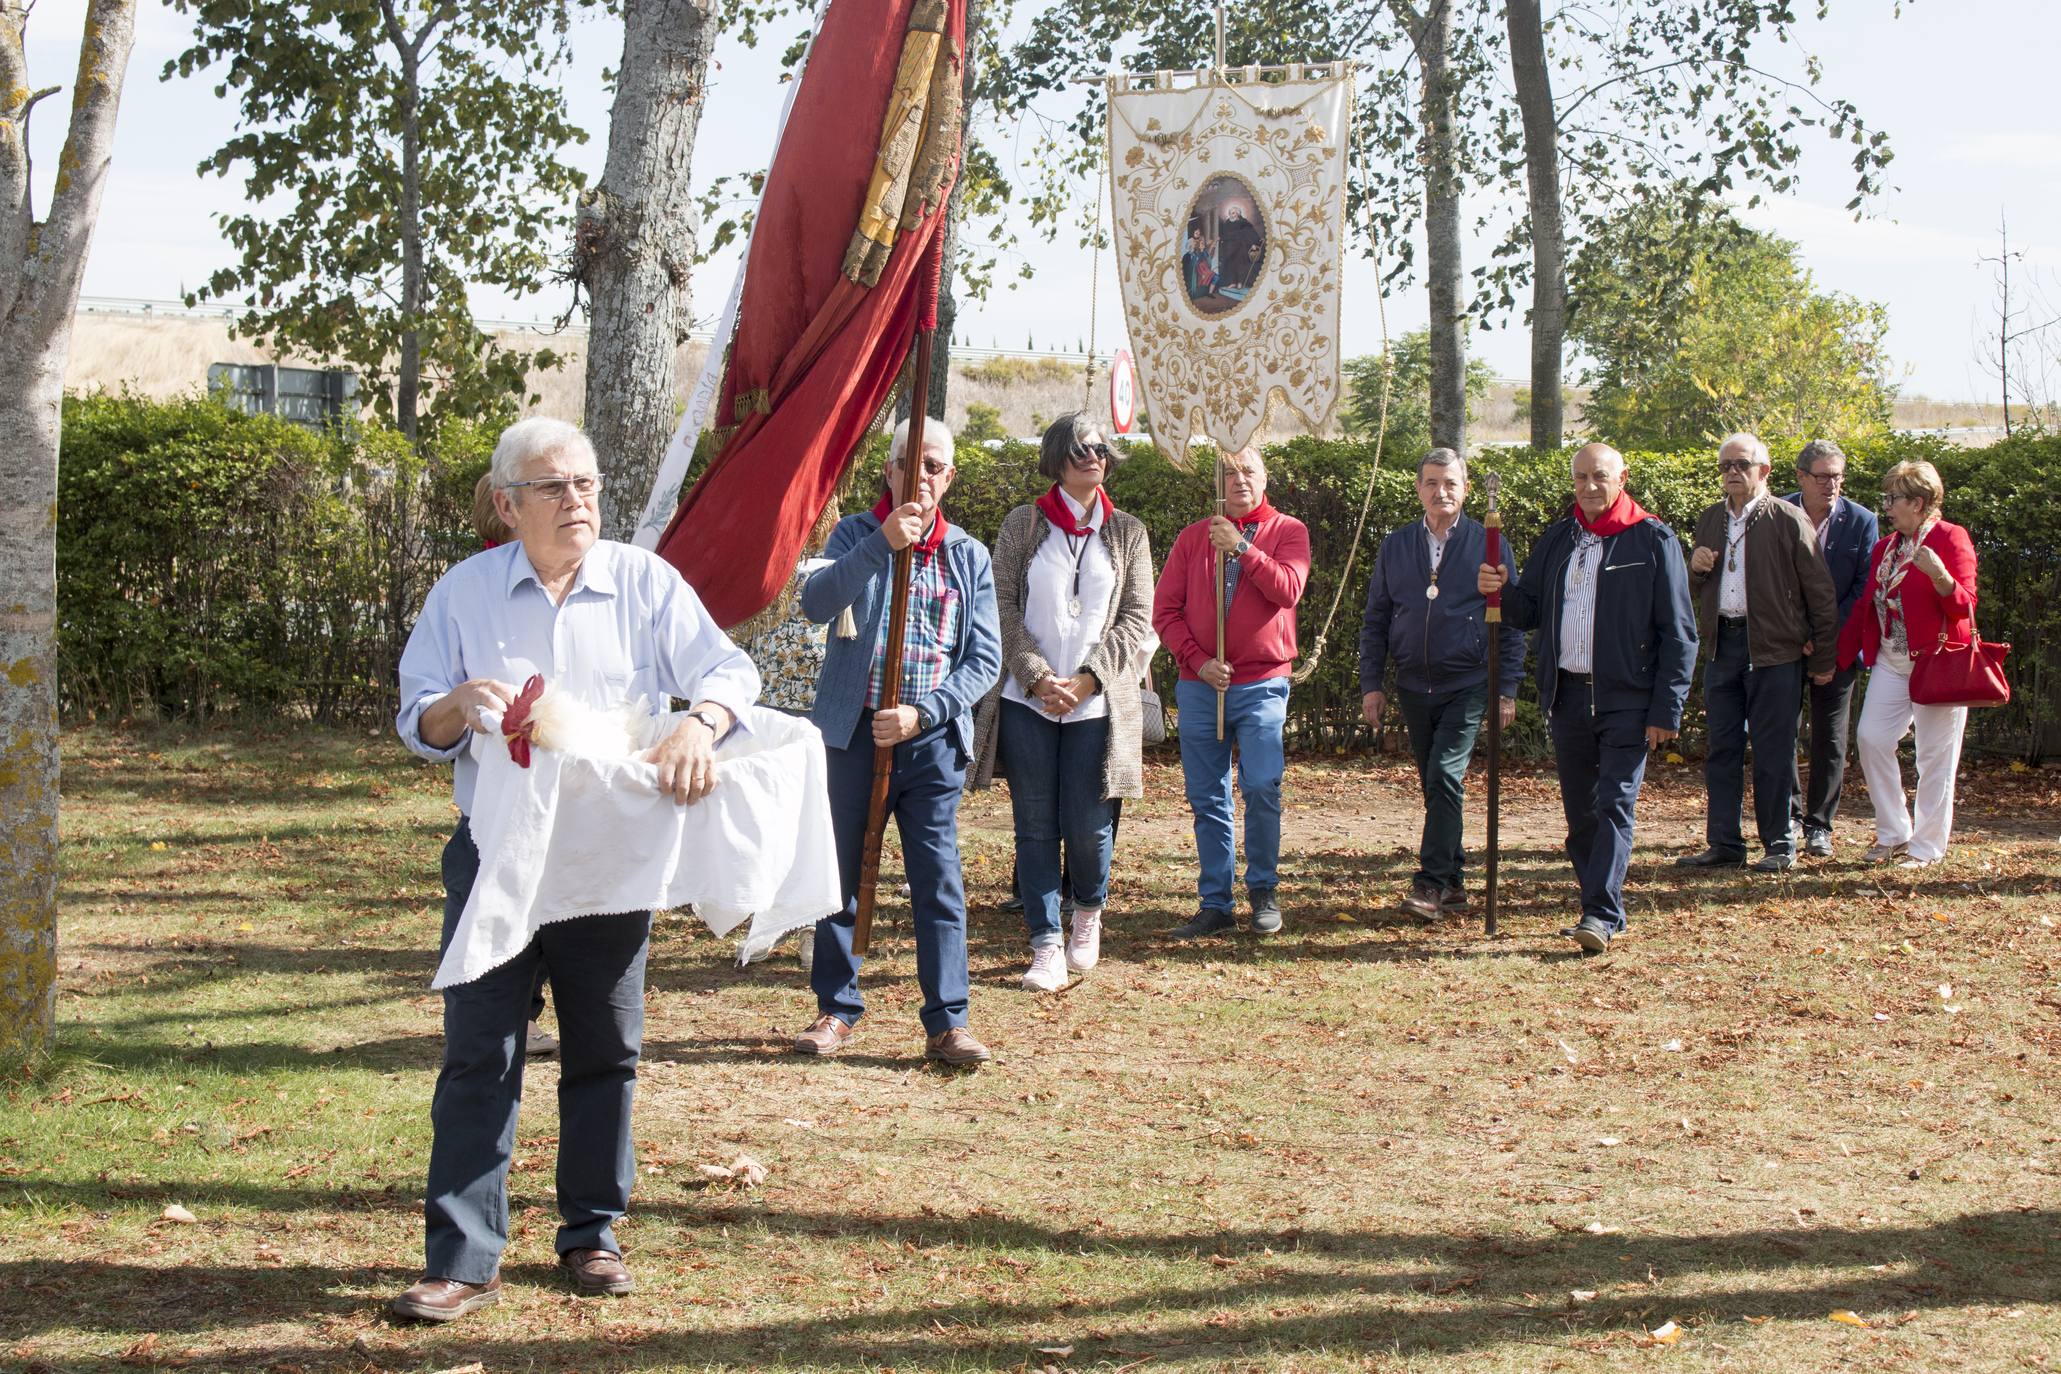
<point>1053,503</point>
<point>1260,512</point>
<point>516,725</point>
<point>1624,513</point>
<point>929,543</point>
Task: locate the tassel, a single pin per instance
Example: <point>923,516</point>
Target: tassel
<point>847,624</point>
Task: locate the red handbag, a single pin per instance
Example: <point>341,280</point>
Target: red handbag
<point>1970,674</point>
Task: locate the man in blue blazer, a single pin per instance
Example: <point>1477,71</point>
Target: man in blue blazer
<point>1607,590</point>
<point>1425,615</point>
<point>1846,532</point>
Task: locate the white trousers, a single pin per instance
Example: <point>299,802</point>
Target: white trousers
<point>1887,715</point>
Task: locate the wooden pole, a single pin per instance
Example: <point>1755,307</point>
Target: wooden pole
<point>1220,593</point>
<point>1493,519</point>
<point>897,623</point>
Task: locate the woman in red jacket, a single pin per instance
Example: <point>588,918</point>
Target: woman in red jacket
<point>1920,593</point>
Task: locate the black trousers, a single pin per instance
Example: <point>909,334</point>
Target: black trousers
<point>1830,710</point>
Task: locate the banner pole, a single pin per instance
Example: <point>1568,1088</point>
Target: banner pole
<point>1493,520</point>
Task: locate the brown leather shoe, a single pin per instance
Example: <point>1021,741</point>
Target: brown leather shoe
<point>956,1047</point>
<point>597,1271</point>
<point>434,1299</point>
<point>827,1036</point>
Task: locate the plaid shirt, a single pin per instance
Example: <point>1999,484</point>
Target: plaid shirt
<point>933,628</point>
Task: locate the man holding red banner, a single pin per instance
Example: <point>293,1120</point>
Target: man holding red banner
<point>951,656</point>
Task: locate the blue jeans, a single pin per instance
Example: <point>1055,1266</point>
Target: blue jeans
<point>1055,793</point>
<point>923,797</point>
<point>596,968</point>
<point>1442,727</point>
<point>1740,700</point>
<point>1601,758</point>
<point>1254,715</point>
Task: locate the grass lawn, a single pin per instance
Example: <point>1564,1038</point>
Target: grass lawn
<point>1809,1121</point>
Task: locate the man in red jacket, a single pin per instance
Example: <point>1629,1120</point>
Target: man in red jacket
<point>1266,563</point>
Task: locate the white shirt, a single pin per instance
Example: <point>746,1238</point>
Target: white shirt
<point>1731,567</point>
<point>1578,605</point>
<point>1065,639</point>
<point>630,626</point>
<point>1436,545</point>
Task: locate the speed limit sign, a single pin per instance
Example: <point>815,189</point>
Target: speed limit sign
<point>1123,392</point>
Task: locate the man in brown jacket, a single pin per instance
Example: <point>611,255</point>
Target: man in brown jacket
<point>1764,605</point>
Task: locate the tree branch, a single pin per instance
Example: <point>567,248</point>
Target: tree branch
<point>1698,63</point>
<point>104,45</point>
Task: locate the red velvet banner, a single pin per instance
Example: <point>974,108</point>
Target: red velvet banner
<point>815,354</point>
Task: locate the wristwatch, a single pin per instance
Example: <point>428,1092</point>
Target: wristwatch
<point>1243,545</point>
<point>715,728</point>
<point>923,719</point>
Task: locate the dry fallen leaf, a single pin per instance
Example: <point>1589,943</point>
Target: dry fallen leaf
<point>1667,1333</point>
<point>1582,1296</point>
<point>747,1171</point>
<point>1597,1228</point>
<point>1758,1321</point>
<point>1946,992</point>
<point>1062,1351</point>
<point>1568,1050</point>
<point>474,1368</point>
<point>174,1212</point>
<point>1608,1140</point>
<point>1849,1318</point>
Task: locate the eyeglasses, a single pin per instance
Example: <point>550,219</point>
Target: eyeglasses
<point>1086,455</point>
<point>1736,465</point>
<point>931,467</point>
<point>1829,478</point>
<point>555,488</point>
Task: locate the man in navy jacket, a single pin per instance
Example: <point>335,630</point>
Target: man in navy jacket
<point>1846,532</point>
<point>1425,614</point>
<point>1607,590</point>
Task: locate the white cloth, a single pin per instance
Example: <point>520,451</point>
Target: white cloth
<point>1887,715</point>
<point>629,627</point>
<point>1435,545</point>
<point>1181,156</point>
<point>571,836</point>
<point>1732,562</point>
<point>1578,605</point>
<point>1063,638</point>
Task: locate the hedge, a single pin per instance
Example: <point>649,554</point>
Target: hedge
<point>210,561</point>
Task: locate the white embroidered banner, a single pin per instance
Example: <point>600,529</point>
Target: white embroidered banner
<point>1230,225</point>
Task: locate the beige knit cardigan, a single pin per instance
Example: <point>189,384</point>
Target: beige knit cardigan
<point>1114,661</point>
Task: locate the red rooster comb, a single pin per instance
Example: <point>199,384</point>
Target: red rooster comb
<point>515,723</point>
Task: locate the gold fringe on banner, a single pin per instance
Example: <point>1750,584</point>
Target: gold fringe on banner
<point>919,143</point>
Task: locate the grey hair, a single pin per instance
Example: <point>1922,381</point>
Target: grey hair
<point>1442,458</point>
<point>1753,445</point>
<point>540,436</point>
<point>935,432</point>
<point>1617,461</point>
<point>1816,449</point>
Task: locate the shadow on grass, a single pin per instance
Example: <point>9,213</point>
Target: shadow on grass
<point>1492,1283</point>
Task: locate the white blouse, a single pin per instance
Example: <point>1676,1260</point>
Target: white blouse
<point>1063,636</point>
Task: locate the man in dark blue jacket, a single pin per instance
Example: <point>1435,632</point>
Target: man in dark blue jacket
<point>1607,591</point>
<point>1846,532</point>
<point>1434,628</point>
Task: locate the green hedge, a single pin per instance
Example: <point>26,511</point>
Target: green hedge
<point>209,560</point>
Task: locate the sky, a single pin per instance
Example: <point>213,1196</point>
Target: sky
<point>1962,88</point>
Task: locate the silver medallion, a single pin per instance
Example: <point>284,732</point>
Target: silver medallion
<point>1073,608</point>
<point>1431,592</point>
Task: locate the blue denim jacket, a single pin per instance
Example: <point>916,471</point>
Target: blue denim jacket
<point>1437,645</point>
<point>858,577</point>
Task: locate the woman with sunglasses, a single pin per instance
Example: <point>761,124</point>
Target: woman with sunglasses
<point>1073,584</point>
<point>1920,593</point>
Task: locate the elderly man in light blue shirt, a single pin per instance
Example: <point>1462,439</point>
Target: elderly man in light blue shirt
<point>605,622</point>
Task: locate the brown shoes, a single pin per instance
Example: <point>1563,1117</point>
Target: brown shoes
<point>433,1299</point>
<point>827,1036</point>
<point>956,1048</point>
<point>597,1271</point>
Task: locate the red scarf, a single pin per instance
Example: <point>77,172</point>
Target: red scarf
<point>1260,512</point>
<point>1053,503</point>
<point>929,543</point>
<point>1624,513</point>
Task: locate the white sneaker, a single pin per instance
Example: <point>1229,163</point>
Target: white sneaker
<point>1084,943</point>
<point>1047,972</point>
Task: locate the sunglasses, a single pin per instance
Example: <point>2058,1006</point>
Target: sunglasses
<point>1084,455</point>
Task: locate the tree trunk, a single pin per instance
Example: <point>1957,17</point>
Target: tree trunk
<point>1534,83</point>
<point>1432,34</point>
<point>634,249</point>
<point>408,384</point>
<point>40,269</point>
